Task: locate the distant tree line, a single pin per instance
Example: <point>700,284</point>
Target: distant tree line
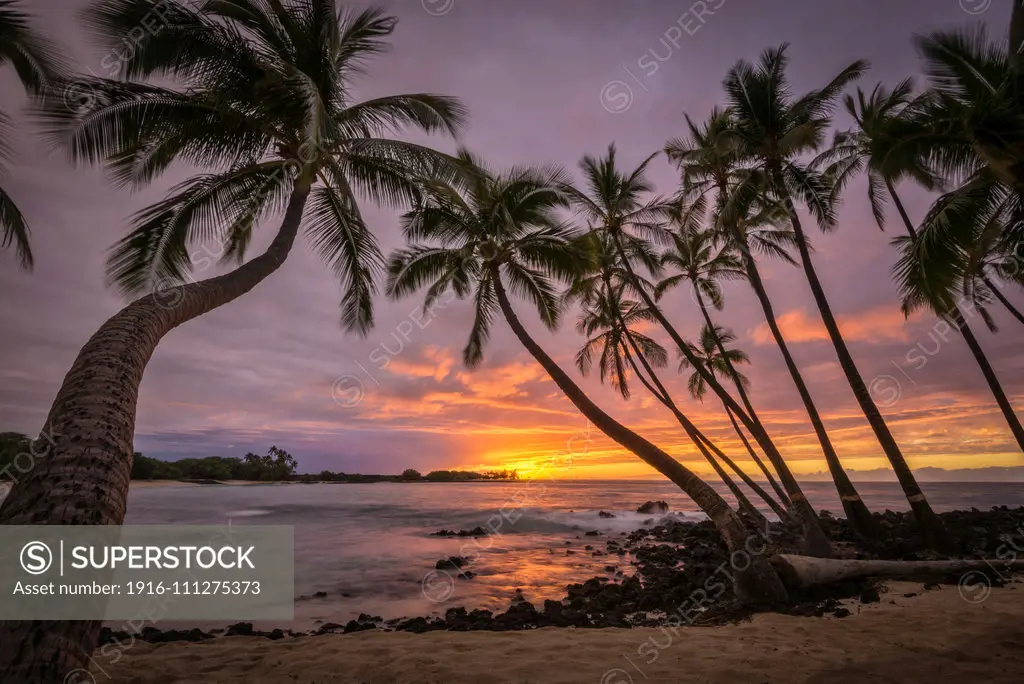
<point>410,475</point>
<point>277,465</point>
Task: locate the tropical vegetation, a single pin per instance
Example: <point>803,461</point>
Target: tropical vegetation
<point>257,97</point>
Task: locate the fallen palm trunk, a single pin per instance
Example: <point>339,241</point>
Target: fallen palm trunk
<point>805,571</point>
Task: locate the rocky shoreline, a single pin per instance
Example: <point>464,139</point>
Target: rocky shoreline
<point>681,577</point>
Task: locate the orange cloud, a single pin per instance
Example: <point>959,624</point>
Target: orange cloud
<point>504,381</point>
<point>438,364</point>
<point>876,325</point>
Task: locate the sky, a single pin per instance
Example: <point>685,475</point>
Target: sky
<point>544,82</point>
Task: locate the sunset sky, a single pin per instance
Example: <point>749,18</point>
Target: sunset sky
<point>545,82</point>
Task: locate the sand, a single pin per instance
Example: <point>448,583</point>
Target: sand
<point>934,637</point>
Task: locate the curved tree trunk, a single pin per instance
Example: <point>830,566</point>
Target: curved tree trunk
<point>740,390</point>
<point>1014,311</point>
<point>779,491</point>
<point>929,523</point>
<point>990,377</point>
<point>83,480</point>
<point>756,581</point>
<point>1017,27</point>
<point>972,342</point>
<point>856,510</point>
<point>701,440</point>
<point>776,507</point>
<point>817,544</point>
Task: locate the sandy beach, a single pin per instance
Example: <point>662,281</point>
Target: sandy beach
<point>935,636</point>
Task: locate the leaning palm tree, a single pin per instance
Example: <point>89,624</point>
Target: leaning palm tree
<point>37,63</point>
<point>969,128</point>
<point>613,204</point>
<point>872,147</point>
<point>720,361</point>
<point>750,225</point>
<point>501,235</point>
<point>262,100</point>
<point>608,322</point>
<point>774,129</point>
<point>701,265</point>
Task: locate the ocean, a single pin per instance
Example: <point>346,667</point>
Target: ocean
<point>368,547</point>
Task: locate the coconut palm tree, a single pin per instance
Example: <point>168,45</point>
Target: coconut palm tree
<point>774,129</point>
<point>613,204</point>
<point>700,264</point>
<point>608,323</point>
<point>870,148</point>
<point>720,361</point>
<point>261,100</point>
<point>751,225</point>
<point>501,235</point>
<point>968,127</point>
<point>36,62</point>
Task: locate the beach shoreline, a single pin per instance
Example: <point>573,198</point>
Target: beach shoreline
<point>911,635</point>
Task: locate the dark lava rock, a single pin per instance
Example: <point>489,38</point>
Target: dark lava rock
<point>154,636</point>
<point>870,595</point>
<point>320,594</point>
<point>467,574</point>
<point>451,563</point>
<point>240,629</point>
<point>605,514</point>
<point>275,634</point>
<point>475,532</point>
<point>653,507</point>
<point>330,627</point>
<point>592,533</point>
<point>419,625</point>
<point>358,626</point>
<point>910,594</point>
<point>841,613</point>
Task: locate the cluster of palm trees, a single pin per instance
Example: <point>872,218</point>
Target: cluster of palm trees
<point>258,94</point>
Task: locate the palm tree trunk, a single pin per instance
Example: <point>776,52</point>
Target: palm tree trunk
<point>84,478</point>
<point>990,377</point>
<point>701,440</point>
<point>817,544</point>
<point>1002,299</point>
<point>856,510</point>
<point>779,491</point>
<point>929,523</point>
<point>1017,27</point>
<point>972,342</point>
<point>757,582</point>
<point>739,388</point>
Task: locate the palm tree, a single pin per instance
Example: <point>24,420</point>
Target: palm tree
<point>502,229</point>
<point>606,322</point>
<point>870,148</point>
<point>36,62</point>
<point>264,104</point>
<point>693,254</point>
<point>774,129</point>
<point>750,224</point>
<point>968,128</point>
<point>613,205</point>
<point>720,361</point>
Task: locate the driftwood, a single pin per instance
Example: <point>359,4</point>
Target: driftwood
<point>805,571</point>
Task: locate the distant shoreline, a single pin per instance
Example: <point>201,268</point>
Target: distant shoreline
<point>148,484</point>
